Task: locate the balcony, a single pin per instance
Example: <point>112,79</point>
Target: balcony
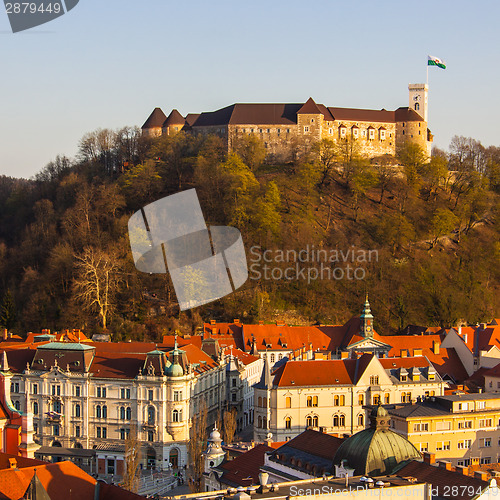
<point>54,417</point>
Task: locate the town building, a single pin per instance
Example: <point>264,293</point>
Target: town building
<point>286,129</point>
<point>462,429</point>
<point>86,399</point>
<point>331,395</point>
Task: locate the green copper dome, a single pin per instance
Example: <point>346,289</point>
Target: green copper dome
<point>377,450</point>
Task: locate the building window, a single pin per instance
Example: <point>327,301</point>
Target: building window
<point>361,399</point>
<point>55,430</point>
<point>279,131</point>
<point>339,400</point>
<point>280,356</point>
<point>128,413</point>
<point>150,394</point>
<point>443,446</point>
<point>463,406</point>
<point>151,415</point>
<point>122,413</point>
<point>125,393</point>
<point>35,388</point>
<point>151,436</point>
<point>233,398</point>
<point>330,131</point>
<point>421,427</point>
<point>306,129</point>
<point>485,422</point>
<point>104,411</point>
<point>481,405</point>
<point>376,399</point>
<point>464,444</point>
<point>387,398</point>
<point>342,132</point>
<point>406,397</point>
<point>35,428</point>
<point>288,402</point>
<point>309,401</point>
<point>361,419</point>
<point>424,447</point>
<point>35,408</point>
<point>175,416</point>
<point>56,390</point>
<point>467,424</point>
<point>382,135</point>
<point>288,423</point>
<point>97,432</point>
<point>77,431</point>
<point>485,443</point>
<point>77,391</point>
<point>259,422</point>
<point>417,107</point>
<point>371,134</point>
<point>486,461</point>
<point>312,421</point>
<point>17,405</point>
<point>98,412</point>
<point>339,421</point>
<point>260,130</point>
<point>177,395</point>
<point>124,433</point>
<point>57,406</point>
<point>287,130</point>
<point>355,132</point>
<point>315,401</point>
<point>77,411</point>
<point>101,392</point>
<point>272,358</point>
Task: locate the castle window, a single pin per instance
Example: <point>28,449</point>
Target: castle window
<point>417,106</point>
<point>287,130</point>
<point>77,391</point>
<point>260,130</point>
<point>342,131</point>
<point>403,132</point>
<point>279,131</point>
<point>306,129</point>
<point>330,131</point>
<point>77,431</point>
<point>355,132</point>
<point>251,130</point>
<point>382,135</point>
<point>371,134</point>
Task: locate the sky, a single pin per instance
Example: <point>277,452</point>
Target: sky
<point>108,63</point>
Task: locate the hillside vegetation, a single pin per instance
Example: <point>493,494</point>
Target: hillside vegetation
<point>433,222</point>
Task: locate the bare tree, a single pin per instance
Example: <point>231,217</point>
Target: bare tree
<point>229,425</point>
<point>132,461</point>
<point>197,445</point>
<point>96,283</point>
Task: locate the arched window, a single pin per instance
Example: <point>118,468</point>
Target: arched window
<point>387,398</point>
<point>259,404</point>
<point>288,423</point>
<point>57,406</point>
<point>309,421</point>
<point>259,422</point>
<point>104,411</point>
<point>264,422</point>
<point>128,413</point>
<point>342,421</point>
<point>151,415</point>
<point>336,421</point>
<point>361,419</point>
<point>309,401</point>
<point>35,408</point>
<point>315,400</point>
<point>122,412</point>
<point>175,416</point>
<point>151,436</point>
<point>77,411</point>
<point>315,421</point>
<point>17,405</point>
<point>417,106</point>
<point>98,411</point>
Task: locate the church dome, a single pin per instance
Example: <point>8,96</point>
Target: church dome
<point>377,450</point>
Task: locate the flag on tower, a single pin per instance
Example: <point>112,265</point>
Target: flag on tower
<point>435,61</point>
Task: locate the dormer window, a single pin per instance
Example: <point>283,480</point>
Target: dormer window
<point>355,132</point>
<point>371,134</point>
<point>382,134</point>
<point>342,132</point>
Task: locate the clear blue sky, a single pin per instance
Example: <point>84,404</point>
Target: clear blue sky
<point>108,63</point>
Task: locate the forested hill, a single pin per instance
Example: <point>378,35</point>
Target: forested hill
<point>431,228</point>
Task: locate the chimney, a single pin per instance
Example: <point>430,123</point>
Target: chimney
<point>404,353</point>
<point>481,475</point>
<point>261,322</point>
<point>435,346</point>
<point>483,326</point>
<point>236,321</point>
<point>12,463</point>
<point>445,464</point>
<point>463,470</point>
<point>429,458</point>
<point>10,335</point>
<point>212,321</point>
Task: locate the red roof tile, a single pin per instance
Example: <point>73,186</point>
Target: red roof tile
<point>245,466</point>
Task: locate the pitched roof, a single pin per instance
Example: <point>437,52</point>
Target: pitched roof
<point>244,357</point>
<point>314,442</point>
<point>362,115</point>
<point>174,118</point>
<point>155,119</point>
<point>244,469</point>
<point>441,480</point>
<point>321,372</point>
<point>407,115</point>
<point>309,108</point>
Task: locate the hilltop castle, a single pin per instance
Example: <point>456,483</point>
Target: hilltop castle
<point>283,127</point>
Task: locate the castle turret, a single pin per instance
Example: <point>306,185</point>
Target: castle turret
<point>153,125</point>
<point>174,123</point>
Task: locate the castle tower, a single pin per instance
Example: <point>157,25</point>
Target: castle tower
<point>418,98</point>
<point>366,320</point>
